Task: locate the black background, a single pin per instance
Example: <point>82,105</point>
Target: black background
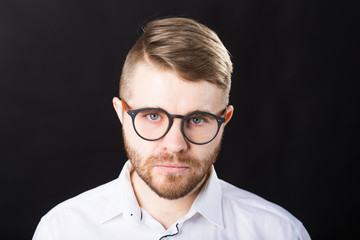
<point>292,139</point>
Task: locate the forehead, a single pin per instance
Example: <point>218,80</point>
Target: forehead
<point>151,86</point>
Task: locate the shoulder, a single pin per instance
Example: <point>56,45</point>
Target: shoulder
<point>89,202</point>
<point>75,214</point>
<point>241,197</point>
<point>247,208</point>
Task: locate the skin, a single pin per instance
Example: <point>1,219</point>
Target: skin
<point>163,160</point>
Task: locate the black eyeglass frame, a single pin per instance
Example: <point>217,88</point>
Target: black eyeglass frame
<point>133,113</point>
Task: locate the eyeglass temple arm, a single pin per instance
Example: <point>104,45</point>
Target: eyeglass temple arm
<point>125,106</point>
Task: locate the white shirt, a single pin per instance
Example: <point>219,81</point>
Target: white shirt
<point>220,211</point>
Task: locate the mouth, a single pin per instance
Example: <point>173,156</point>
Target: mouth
<point>172,168</point>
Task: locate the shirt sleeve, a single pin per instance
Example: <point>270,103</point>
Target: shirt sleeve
<point>303,234</point>
<point>42,231</point>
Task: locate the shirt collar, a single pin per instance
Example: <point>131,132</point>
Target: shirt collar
<point>208,202</point>
<point>123,200</point>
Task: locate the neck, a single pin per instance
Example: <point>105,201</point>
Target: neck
<point>165,211</point>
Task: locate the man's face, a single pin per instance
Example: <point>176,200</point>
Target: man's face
<point>172,167</point>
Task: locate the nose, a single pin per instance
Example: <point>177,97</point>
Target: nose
<point>174,141</point>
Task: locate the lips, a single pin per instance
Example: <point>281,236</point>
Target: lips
<point>172,167</point>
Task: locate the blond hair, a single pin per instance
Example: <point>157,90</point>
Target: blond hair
<point>188,48</point>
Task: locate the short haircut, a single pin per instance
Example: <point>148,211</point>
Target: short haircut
<point>188,48</point>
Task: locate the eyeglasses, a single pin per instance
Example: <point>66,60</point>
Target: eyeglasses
<point>152,124</point>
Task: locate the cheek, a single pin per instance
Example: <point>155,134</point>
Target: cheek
<point>129,131</point>
<point>202,152</point>
<point>205,151</point>
<point>140,146</point>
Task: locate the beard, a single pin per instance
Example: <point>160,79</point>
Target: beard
<point>172,186</point>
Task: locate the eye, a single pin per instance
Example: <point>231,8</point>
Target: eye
<point>196,120</point>
<point>153,117</point>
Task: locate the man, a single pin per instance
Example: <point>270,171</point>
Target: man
<point>173,107</point>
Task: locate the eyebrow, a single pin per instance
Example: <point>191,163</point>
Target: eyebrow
<point>220,113</point>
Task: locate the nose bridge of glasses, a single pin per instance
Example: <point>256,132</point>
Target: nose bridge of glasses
<point>171,119</point>
<point>171,123</point>
<point>178,129</point>
<point>176,116</point>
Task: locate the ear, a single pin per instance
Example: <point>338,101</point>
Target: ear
<point>228,113</point>
<point>118,108</point>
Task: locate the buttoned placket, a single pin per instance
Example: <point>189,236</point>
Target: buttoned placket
<point>172,232</point>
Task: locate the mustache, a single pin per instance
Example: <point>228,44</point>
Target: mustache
<point>173,158</point>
